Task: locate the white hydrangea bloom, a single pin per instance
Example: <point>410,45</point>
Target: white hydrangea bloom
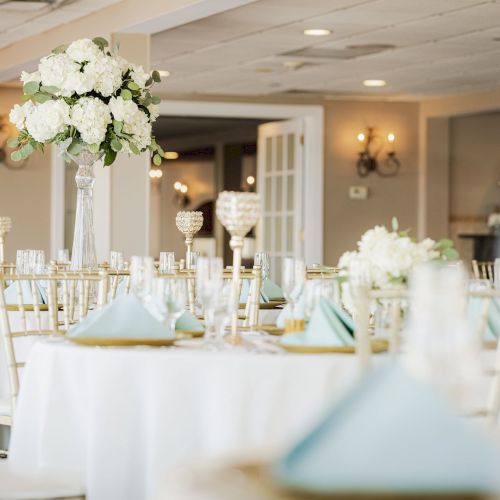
<point>140,128</point>
<point>106,74</point>
<point>139,75</point>
<point>61,71</point>
<point>154,112</point>
<point>122,110</point>
<point>18,114</point>
<point>91,117</point>
<point>47,120</point>
<point>83,50</point>
<point>30,77</point>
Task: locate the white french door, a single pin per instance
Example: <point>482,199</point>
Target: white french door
<point>280,173</point>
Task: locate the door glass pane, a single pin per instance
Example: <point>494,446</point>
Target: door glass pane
<point>277,269</point>
<point>290,193</point>
<point>291,151</point>
<point>278,234</point>
<point>269,154</point>
<point>289,233</point>
<point>279,193</point>
<point>269,195</point>
<point>267,232</point>
<point>279,153</point>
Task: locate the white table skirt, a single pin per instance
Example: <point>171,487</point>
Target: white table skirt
<point>124,416</point>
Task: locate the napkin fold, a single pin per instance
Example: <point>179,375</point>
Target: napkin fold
<point>329,326</point>
<point>286,313</point>
<point>393,433</point>
<point>474,310</point>
<point>269,291</point>
<point>10,293</point>
<point>125,317</point>
<point>188,321</point>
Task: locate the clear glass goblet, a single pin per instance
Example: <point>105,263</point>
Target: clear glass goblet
<point>141,276</point>
<point>293,281</point>
<point>167,263</point>
<point>171,296</point>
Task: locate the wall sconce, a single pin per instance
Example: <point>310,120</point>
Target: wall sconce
<point>181,197</point>
<point>372,147</point>
<point>155,174</point>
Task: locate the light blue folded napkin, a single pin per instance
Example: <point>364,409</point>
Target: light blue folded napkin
<point>286,312</point>
<point>10,293</point>
<point>189,322</point>
<point>269,291</point>
<point>325,329</point>
<point>125,317</point>
<point>393,433</point>
<point>474,310</point>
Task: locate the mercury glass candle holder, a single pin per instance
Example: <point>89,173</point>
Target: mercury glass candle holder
<point>238,212</point>
<point>189,223</point>
<point>5,227</point>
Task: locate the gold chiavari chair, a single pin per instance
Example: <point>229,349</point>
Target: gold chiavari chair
<point>483,270</point>
<point>70,296</point>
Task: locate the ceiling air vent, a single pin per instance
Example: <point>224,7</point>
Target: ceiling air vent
<point>349,52</point>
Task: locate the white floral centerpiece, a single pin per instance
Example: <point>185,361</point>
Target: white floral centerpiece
<point>494,220</point>
<point>84,96</point>
<point>387,257</point>
<point>93,104</point>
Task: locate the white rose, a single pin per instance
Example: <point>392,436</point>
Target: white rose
<point>83,50</point>
<point>139,75</point>
<point>18,114</point>
<point>47,120</point>
<point>30,77</point>
<point>91,117</point>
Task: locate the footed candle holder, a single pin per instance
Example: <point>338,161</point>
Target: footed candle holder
<point>189,223</point>
<point>238,212</point>
<point>5,227</point>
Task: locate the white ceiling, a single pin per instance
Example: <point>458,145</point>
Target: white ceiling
<point>442,47</point>
<point>21,18</point>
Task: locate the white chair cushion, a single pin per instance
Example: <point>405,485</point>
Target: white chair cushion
<point>40,484</point>
<point>5,408</point>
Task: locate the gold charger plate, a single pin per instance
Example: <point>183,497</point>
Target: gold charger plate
<point>377,346</point>
<point>192,333</point>
<point>271,329</point>
<point>122,342</point>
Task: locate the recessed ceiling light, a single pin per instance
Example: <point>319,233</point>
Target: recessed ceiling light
<point>293,65</point>
<point>317,32</point>
<point>374,83</point>
<point>164,73</point>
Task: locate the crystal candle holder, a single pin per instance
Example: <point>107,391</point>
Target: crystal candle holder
<point>5,227</point>
<point>238,212</point>
<point>189,223</point>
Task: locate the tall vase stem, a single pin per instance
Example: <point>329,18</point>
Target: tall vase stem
<point>236,244</point>
<point>84,254</point>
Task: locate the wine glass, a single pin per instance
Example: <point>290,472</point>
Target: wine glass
<point>313,291</point>
<point>63,256</point>
<point>293,280</point>
<point>116,261</point>
<point>209,281</point>
<point>22,260</point>
<point>141,276</point>
<point>167,263</point>
<point>171,297</point>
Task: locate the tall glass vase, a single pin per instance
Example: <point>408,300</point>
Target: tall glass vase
<point>83,255</point>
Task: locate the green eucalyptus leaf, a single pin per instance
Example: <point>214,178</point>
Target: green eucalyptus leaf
<point>450,254</point>
<point>50,89</point>
<point>31,88</point>
<point>134,148</point>
<point>133,86</point>
<point>93,148</point>
<point>16,156</point>
<point>26,150</point>
<point>444,243</point>
<point>147,101</point>
<point>40,97</point>
<point>118,126</point>
<point>60,49</point>
<point>149,81</point>
<point>13,142</point>
<point>75,147</point>
<point>155,99</point>
<point>156,76</point>
<point>100,42</point>
<point>116,145</point>
<point>109,157</point>
<point>126,94</point>
<point>395,224</point>
<point>160,150</point>
<point>157,160</point>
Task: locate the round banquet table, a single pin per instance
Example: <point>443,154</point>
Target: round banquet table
<point>124,416</point>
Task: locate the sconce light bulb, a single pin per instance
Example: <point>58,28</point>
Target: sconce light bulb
<point>184,189</point>
<point>391,137</point>
<point>177,185</point>
<point>171,155</point>
<point>250,180</point>
<point>361,137</point>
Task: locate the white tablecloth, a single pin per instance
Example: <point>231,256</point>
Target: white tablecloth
<point>124,416</point>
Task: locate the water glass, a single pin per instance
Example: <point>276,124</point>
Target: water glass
<point>313,291</point>
<point>36,262</point>
<point>262,259</point>
<point>193,260</point>
<point>22,261</point>
<point>293,281</point>
<point>171,298</point>
<point>167,263</point>
<point>116,260</point>
<point>63,256</point>
<point>141,276</point>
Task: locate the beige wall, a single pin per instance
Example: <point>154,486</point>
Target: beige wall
<point>199,177</point>
<point>346,219</point>
<point>25,194</point>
